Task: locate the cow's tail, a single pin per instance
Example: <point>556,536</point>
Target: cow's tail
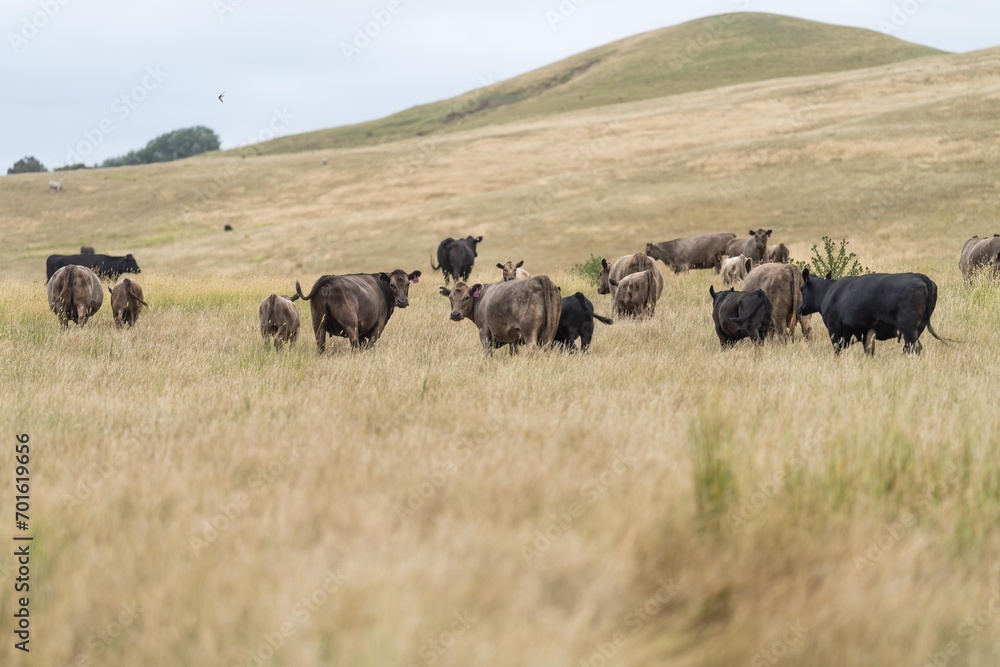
<point>294,297</point>
<point>589,309</point>
<point>435,268</point>
<point>931,304</point>
<point>131,293</point>
<point>299,294</point>
<point>940,338</point>
<point>551,309</point>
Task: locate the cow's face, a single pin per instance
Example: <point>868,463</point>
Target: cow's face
<point>760,239</point>
<point>509,270</point>
<point>813,289</point>
<point>130,265</point>
<point>463,298</point>
<point>399,285</point>
<point>604,286</point>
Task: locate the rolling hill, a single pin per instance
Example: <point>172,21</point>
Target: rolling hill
<point>698,55</point>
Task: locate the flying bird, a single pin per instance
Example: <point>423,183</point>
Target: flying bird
<point>221,94</point>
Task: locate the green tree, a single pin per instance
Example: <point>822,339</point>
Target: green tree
<point>27,165</point>
<point>170,146</point>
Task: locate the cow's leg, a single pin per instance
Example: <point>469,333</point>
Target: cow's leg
<point>869,342</point>
<point>912,344</point>
<point>486,339</point>
<point>321,334</point>
<point>839,343</point>
<point>586,334</point>
<point>805,321</point>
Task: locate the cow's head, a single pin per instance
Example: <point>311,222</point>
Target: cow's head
<point>651,251</point>
<point>130,265</point>
<point>813,290</point>
<point>398,284</point>
<point>473,241</point>
<point>603,286</point>
<point>760,239</point>
<point>463,299</point>
<point>509,270</point>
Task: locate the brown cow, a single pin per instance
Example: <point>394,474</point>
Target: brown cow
<point>75,293</point>
<point>512,271</point>
<point>356,306</point>
<point>778,254</point>
<point>695,252</point>
<point>782,283</point>
<point>636,295</point>
<point>279,319</point>
<point>735,268</point>
<point>126,302</point>
<point>980,254</point>
<point>509,313</point>
<point>622,267</point>
<point>754,247</point>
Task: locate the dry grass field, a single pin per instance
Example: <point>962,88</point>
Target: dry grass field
<point>198,499</point>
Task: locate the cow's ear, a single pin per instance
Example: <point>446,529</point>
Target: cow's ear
<point>499,265</point>
<point>752,233</point>
<point>711,291</point>
<point>384,277</point>
<point>614,283</point>
<point>475,290</point>
<point>444,291</point>
<point>479,239</point>
<point>604,262</point>
<point>829,275</point>
<point>769,232</point>
<point>805,276</point>
<point>748,264</point>
<point>519,264</point>
<point>414,277</point>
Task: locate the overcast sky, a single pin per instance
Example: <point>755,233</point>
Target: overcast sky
<point>96,78</point>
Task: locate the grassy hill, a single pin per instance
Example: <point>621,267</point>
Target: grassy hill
<point>698,55</point>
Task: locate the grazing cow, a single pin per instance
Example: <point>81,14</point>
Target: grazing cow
<point>576,320</point>
<point>75,294</point>
<point>778,254</point>
<point>637,294</point>
<point>512,271</point>
<point>103,265</point>
<point>279,319</point>
<point>980,254</point>
<point>227,228</point>
<point>86,250</point>
<point>324,161</point>
<point>456,257</point>
<point>877,306</point>
<point>696,252</point>
<point>126,302</point>
<point>519,312</point>
<point>781,283</point>
<point>356,306</point>
<point>754,247</point>
<point>622,267</point>
<point>735,268</point>
<point>739,315</point>
<point>55,186</point>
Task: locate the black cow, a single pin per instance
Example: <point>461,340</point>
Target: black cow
<point>456,257</point>
<point>577,321</point>
<point>103,265</point>
<point>739,315</point>
<point>877,306</point>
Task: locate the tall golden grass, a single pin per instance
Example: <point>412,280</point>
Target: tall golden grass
<point>199,499</point>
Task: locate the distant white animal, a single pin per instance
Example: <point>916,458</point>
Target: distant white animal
<point>735,268</point>
<point>56,186</point>
<point>512,271</point>
<point>324,162</point>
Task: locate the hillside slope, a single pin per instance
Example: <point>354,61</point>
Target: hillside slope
<point>698,55</point>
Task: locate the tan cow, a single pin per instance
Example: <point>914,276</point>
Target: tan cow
<point>754,247</point>
<point>636,295</point>
<point>622,267</point>
<point>126,302</point>
<point>782,283</point>
<point>279,320</point>
<point>75,293</point>
<point>980,254</point>
<point>778,253</point>
<point>735,268</point>
<point>512,271</point>
<point>518,312</point>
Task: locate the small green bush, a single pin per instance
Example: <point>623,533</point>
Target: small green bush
<point>836,261</point>
<point>590,269</point>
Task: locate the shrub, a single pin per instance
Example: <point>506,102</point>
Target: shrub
<point>590,269</point>
<point>27,165</point>
<point>833,260</point>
